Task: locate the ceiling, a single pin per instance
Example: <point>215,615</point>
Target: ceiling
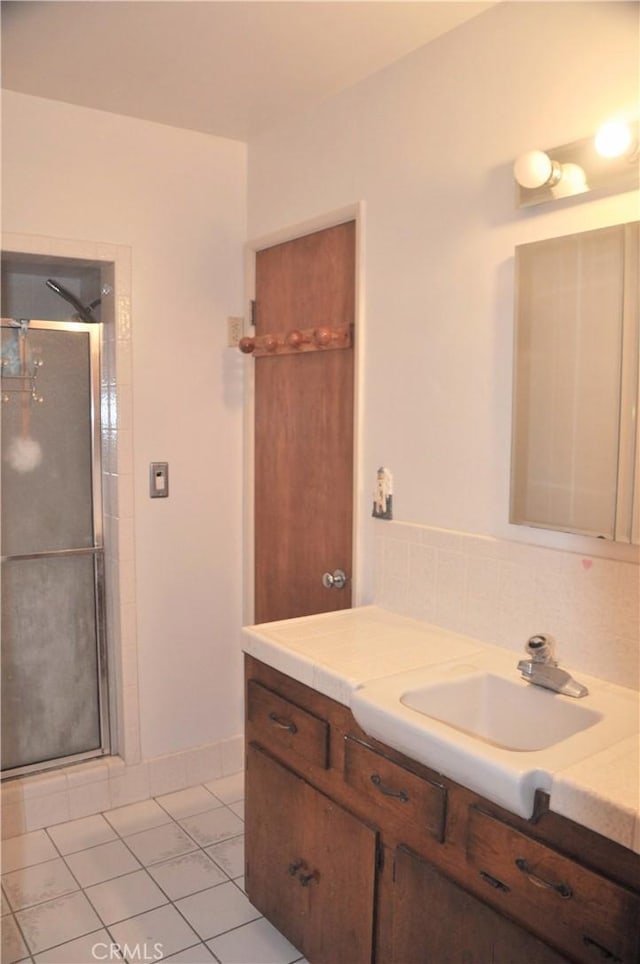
<point>233,68</point>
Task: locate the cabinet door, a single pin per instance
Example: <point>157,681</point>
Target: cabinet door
<point>275,800</point>
<point>434,921</point>
<point>310,865</point>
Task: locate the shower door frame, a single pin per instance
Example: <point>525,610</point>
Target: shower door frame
<point>94,332</point>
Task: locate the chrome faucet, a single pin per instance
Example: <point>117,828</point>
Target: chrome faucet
<point>542,669</point>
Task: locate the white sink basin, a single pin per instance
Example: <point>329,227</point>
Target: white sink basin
<point>476,721</point>
<point>501,711</point>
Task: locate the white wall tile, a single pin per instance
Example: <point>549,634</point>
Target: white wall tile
<point>232,754</point>
<point>45,811</point>
<point>167,774</point>
<point>203,764</point>
<point>88,799</point>
<point>129,786</point>
<point>502,592</point>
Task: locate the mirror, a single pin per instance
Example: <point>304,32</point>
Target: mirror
<point>574,445</point>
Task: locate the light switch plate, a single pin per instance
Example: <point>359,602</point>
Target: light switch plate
<point>234,331</point>
<point>159,480</point>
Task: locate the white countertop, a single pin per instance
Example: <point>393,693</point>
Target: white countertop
<point>337,653</point>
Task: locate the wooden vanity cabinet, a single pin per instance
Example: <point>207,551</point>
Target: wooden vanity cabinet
<point>310,866</point>
<point>435,920</point>
<point>358,854</point>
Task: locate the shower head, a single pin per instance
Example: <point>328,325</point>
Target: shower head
<point>84,314</point>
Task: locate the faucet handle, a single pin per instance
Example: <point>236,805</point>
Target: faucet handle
<point>541,649</point>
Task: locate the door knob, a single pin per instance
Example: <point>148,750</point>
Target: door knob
<point>335,580</point>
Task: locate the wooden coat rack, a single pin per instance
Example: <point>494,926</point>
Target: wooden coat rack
<point>298,340</point>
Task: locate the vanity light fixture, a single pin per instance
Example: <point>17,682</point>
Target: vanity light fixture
<point>608,161</point>
<point>614,139</point>
<point>536,169</point>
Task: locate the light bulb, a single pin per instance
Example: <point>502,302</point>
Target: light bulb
<point>535,168</point>
<point>613,139</point>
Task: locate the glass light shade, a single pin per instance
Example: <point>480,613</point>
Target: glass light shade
<point>533,169</point>
<point>613,139</point>
<point>573,181</point>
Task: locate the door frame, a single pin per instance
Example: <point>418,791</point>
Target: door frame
<point>353,212</point>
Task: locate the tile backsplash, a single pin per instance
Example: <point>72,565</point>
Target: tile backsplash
<point>503,592</point>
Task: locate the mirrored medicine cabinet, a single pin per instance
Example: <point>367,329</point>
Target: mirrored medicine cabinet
<point>575,454</point>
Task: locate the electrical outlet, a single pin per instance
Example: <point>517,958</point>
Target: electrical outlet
<point>234,331</point>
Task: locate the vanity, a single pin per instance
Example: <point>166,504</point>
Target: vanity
<point>361,851</point>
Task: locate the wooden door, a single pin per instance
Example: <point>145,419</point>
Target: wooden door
<point>435,920</point>
<point>304,426</point>
<point>310,865</point>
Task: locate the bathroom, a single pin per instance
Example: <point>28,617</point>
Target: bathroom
<point>420,154</point>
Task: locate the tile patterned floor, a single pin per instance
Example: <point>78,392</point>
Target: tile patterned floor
<point>161,879</point>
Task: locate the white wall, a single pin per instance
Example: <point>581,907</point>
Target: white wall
<point>428,145</point>
<point>178,200</point>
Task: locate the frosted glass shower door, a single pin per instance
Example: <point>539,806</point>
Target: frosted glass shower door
<point>53,672</point>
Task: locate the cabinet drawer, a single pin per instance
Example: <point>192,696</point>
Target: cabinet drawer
<point>575,908</point>
<point>287,729</point>
<point>395,789</point>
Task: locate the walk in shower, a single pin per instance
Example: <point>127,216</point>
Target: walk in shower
<point>54,673</point>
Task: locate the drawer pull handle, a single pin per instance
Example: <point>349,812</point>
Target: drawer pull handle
<point>604,954</point>
<point>388,792</point>
<point>295,867</point>
<point>284,724</point>
<point>494,882</point>
<point>562,890</point>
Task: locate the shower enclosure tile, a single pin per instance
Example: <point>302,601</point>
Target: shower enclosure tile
<point>33,885</point>
<point>43,785</point>
<point>87,773</point>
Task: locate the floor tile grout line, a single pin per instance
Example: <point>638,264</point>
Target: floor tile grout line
<point>144,867</point>
<point>168,902</point>
<point>22,935</point>
<point>141,867</point>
